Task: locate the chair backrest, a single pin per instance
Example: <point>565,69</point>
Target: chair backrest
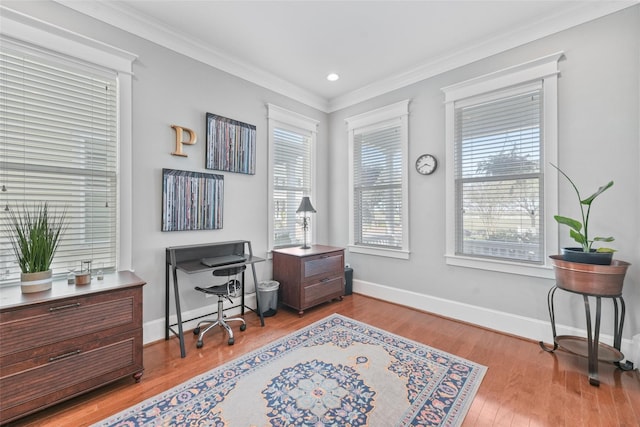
<point>234,286</point>
<point>232,271</point>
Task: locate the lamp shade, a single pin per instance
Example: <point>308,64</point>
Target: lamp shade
<point>305,206</point>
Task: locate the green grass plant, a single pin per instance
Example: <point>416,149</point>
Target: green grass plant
<point>35,234</point>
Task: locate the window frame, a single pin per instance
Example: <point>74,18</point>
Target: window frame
<point>546,71</point>
<point>54,40</point>
<point>397,113</point>
<point>281,118</point>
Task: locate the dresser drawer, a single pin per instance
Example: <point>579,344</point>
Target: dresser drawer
<point>80,369</point>
<point>324,290</point>
<point>38,356</point>
<point>327,265</point>
<point>60,320</point>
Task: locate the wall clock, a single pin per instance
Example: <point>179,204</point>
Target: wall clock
<point>426,164</point>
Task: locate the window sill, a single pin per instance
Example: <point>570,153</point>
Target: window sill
<point>542,271</point>
<point>389,253</point>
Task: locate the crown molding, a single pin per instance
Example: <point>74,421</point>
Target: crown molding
<point>120,16</point>
<point>124,18</point>
<point>580,13</point>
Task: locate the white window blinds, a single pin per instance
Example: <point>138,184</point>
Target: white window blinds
<point>499,176</point>
<point>58,144</point>
<point>291,169</point>
<point>377,187</point>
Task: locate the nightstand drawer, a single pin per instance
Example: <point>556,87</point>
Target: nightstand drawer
<point>322,291</point>
<point>322,265</point>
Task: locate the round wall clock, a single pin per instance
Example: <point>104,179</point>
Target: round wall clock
<point>426,164</point>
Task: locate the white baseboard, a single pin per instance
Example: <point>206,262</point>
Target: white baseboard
<point>634,353</point>
<point>513,324</point>
<point>154,329</point>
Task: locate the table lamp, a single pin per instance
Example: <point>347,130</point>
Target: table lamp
<point>305,206</point>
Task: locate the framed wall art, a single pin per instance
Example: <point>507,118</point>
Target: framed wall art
<point>231,145</point>
<point>191,200</point>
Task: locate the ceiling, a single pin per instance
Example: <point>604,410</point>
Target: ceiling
<point>375,46</point>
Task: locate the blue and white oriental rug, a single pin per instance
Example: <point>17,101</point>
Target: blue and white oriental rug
<point>335,372</point>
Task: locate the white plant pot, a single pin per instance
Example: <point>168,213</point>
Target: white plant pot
<point>36,282</point>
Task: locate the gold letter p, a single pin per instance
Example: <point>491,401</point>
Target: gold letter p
<point>180,142</point>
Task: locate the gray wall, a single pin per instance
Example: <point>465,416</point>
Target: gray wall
<point>171,89</point>
<point>599,93</point>
<point>598,141</point>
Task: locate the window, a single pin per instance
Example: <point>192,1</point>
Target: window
<point>291,164</point>
<point>378,181</point>
<point>61,131</point>
<point>498,177</point>
<point>501,136</point>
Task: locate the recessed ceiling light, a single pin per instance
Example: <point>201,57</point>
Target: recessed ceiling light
<point>333,77</point>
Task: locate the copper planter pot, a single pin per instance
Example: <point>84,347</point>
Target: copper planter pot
<point>591,279</point>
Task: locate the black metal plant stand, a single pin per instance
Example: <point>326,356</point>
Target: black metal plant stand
<point>590,346</point>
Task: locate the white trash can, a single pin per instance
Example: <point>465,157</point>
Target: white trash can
<point>268,297</point>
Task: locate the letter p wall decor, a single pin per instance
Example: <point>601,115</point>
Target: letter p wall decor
<point>180,131</point>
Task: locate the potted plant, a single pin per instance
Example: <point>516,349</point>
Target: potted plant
<point>579,230</point>
<point>585,269</point>
<point>35,235</point>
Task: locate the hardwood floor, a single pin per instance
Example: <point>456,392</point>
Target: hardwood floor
<point>524,386</point>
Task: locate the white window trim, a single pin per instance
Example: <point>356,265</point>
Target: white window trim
<point>285,119</point>
<point>394,112</point>
<point>41,34</point>
<point>545,69</point>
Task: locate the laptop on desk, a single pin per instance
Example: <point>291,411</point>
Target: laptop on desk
<point>222,260</point>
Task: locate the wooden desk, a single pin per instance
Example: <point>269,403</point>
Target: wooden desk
<point>188,260</point>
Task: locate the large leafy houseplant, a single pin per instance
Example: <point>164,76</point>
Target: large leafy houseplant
<point>35,234</point>
<point>579,229</point>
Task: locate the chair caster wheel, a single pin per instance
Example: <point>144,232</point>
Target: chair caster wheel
<point>196,331</point>
<point>199,344</point>
<point>243,327</point>
<point>231,341</point>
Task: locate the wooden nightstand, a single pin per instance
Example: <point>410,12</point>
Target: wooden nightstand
<point>309,277</point>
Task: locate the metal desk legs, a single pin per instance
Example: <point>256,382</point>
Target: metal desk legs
<point>167,323</point>
<point>180,333</point>
<point>255,283</point>
<point>593,335</point>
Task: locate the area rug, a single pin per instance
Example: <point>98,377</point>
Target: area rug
<point>335,372</point>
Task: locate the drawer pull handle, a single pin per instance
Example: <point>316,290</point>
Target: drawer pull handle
<point>64,356</point>
<point>325,280</point>
<point>64,307</point>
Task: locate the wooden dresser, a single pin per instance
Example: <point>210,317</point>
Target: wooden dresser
<point>58,344</point>
<point>309,277</point>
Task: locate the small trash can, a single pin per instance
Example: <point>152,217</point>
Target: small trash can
<point>268,295</point>
<point>348,280</point>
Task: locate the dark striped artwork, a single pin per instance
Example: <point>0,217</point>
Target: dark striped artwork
<point>191,200</point>
<point>231,145</point>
